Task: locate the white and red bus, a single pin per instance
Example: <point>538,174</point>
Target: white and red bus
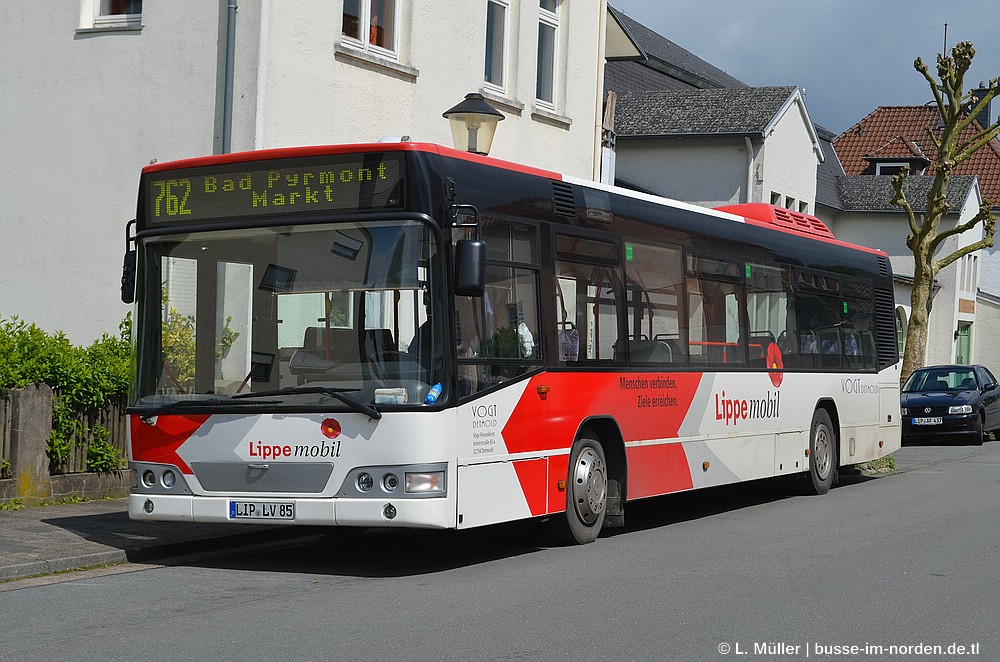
<point>401,334</point>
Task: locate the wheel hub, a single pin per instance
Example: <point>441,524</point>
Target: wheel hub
<point>590,486</point>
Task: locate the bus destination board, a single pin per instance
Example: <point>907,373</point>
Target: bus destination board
<point>338,182</point>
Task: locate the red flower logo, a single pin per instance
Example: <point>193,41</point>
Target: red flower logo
<point>331,428</point>
<point>775,364</point>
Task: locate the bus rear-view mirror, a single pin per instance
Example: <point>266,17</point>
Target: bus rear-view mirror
<point>470,268</point>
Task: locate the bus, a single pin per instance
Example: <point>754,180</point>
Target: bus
<point>399,334</point>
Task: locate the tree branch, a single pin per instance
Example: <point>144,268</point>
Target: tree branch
<point>899,199</point>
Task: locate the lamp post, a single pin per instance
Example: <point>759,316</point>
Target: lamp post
<point>473,124</point>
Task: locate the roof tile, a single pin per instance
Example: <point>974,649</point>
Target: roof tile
<point>911,123</point>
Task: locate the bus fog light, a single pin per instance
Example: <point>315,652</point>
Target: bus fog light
<point>425,482</point>
<point>148,507</point>
<point>169,479</point>
<point>365,481</point>
<point>390,482</point>
<point>389,512</point>
<point>148,478</point>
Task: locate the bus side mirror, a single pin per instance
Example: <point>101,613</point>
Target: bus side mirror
<point>470,268</point>
<point>128,277</point>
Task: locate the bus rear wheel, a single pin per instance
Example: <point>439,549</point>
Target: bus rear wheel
<point>586,490</point>
<point>822,453</point>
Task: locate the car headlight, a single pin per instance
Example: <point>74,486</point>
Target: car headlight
<point>960,409</point>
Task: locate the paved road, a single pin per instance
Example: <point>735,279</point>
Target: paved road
<point>905,560</point>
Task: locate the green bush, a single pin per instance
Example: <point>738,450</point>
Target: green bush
<point>87,377</point>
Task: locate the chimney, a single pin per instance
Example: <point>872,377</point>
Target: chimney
<point>984,116</point>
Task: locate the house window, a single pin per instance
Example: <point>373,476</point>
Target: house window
<point>789,203</point>
<point>901,328</point>
<point>889,168</point>
<point>803,207</point>
<point>775,199</point>
<point>548,38</point>
<point>110,14</point>
<point>371,25</point>
<point>496,44</point>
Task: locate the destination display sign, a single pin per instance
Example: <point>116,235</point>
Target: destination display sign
<point>336,182</point>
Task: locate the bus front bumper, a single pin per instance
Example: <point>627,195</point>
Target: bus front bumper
<point>436,513</point>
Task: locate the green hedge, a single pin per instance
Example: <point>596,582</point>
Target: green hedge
<point>88,377</point>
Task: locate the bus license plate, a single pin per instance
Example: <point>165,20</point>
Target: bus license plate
<point>261,510</point>
<point>927,420</point>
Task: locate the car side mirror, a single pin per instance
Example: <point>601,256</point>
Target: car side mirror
<point>991,387</point>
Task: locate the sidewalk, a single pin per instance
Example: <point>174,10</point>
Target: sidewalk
<point>47,539</point>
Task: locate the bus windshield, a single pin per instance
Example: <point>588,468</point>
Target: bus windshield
<point>305,310</point>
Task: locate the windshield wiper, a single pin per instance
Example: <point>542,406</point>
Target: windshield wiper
<point>335,393</point>
<point>183,404</point>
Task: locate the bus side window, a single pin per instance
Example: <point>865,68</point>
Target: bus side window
<point>771,313</point>
<point>587,298</point>
<point>498,334</point>
<point>654,280</point>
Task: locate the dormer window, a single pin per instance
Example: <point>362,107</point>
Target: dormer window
<point>891,168</point>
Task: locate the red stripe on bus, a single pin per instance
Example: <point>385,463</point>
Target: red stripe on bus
<point>532,474</point>
<point>657,469</point>
<point>159,442</point>
<point>644,405</point>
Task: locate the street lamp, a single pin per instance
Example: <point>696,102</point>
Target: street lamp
<point>473,123</point>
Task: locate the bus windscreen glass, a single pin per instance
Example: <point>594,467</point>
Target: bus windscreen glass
<point>340,182</point>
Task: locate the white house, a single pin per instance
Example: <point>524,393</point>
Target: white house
<point>720,146</point>
<point>92,90</point>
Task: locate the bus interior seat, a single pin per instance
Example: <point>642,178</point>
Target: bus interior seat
<point>642,350</point>
<point>324,349</point>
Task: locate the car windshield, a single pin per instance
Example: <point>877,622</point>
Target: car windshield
<point>307,315</point>
<point>941,379</point>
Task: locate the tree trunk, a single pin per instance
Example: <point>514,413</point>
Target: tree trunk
<point>917,327</point>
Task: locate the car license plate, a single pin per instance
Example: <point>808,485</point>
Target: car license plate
<point>927,420</point>
<point>261,510</point>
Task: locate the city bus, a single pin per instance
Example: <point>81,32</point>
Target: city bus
<point>400,334</point>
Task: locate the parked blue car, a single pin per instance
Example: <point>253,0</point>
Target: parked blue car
<point>946,402</point>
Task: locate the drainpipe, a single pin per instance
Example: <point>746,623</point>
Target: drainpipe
<point>750,158</point>
<point>227,106</point>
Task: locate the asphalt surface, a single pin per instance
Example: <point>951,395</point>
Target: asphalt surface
<point>49,539</point>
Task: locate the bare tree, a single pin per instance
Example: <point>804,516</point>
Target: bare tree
<point>956,141</point>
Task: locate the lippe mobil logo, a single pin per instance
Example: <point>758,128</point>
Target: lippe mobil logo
<point>734,410</point>
<point>261,450</point>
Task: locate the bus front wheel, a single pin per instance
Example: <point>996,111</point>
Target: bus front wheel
<point>822,453</point>
<point>586,490</point>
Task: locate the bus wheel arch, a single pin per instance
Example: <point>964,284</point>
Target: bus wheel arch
<point>824,449</point>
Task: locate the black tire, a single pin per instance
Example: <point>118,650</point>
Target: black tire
<point>586,491</point>
<point>822,453</point>
<point>979,435</point>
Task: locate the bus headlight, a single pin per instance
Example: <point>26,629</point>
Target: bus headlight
<point>424,482</point>
<point>148,478</point>
<point>365,482</point>
<point>169,479</point>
